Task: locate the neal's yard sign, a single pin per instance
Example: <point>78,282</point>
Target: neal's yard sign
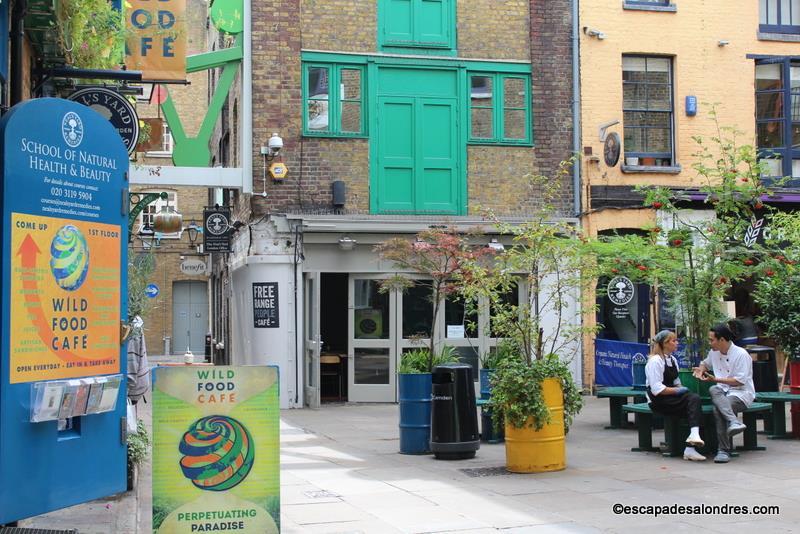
<point>216,463</point>
<point>265,305</point>
<point>217,229</point>
<point>114,107</point>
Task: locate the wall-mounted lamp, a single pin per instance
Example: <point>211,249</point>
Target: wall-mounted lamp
<point>347,243</point>
<point>148,237</point>
<point>192,230</point>
<point>723,42</point>
<point>495,245</point>
<point>592,32</point>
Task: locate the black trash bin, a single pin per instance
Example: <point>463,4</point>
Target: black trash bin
<point>454,414</point>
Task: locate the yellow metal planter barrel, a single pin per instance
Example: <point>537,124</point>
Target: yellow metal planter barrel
<point>536,451</point>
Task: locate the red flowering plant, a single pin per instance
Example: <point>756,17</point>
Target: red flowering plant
<point>698,254</point>
<point>438,256</point>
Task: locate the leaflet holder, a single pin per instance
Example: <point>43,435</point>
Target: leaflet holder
<point>63,399</point>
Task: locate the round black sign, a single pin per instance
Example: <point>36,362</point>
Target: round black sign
<point>611,149</point>
<point>114,107</point>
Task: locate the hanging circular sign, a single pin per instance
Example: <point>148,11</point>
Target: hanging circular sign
<point>115,108</point>
<point>611,149</point>
<point>620,290</point>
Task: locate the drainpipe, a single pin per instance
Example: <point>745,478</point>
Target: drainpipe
<point>576,109</point>
<point>17,42</point>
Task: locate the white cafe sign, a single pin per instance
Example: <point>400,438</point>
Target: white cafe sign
<point>193,266</point>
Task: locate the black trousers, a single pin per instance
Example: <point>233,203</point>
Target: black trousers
<point>688,404</point>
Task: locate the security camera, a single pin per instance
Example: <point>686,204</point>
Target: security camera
<point>275,143</point>
<point>591,32</point>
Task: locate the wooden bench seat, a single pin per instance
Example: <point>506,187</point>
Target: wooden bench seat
<point>676,429</point>
<point>777,399</point>
<point>617,398</point>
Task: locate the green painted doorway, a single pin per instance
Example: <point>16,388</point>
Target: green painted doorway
<point>418,157</point>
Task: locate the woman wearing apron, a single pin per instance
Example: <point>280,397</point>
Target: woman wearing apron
<point>666,394</point>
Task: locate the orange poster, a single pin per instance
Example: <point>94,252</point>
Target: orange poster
<point>65,305</point>
<point>157,39</point>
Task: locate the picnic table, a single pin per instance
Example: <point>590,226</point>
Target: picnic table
<point>617,398</point>
<point>778,400</point>
<point>675,429</point>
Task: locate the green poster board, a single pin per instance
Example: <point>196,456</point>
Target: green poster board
<point>216,456</point>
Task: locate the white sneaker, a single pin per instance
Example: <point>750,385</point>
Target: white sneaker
<point>690,454</point>
<point>736,428</point>
<point>695,441</point>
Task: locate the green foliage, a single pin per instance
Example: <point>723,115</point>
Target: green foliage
<point>138,444</point>
<point>414,362</point>
<point>551,258</point>
<point>417,361</point>
<point>517,394</point>
<point>779,300</point>
<point>91,33</point>
<point>504,351</point>
<point>693,260</point>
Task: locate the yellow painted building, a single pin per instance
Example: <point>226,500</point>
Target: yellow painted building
<point>641,59</point>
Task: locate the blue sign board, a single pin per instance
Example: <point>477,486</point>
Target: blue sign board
<point>151,291</point>
<point>613,359</point>
<point>63,177</point>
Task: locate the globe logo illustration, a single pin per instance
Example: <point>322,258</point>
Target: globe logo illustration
<point>218,453</point>
<point>69,258</point>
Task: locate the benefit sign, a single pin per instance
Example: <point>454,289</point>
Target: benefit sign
<point>64,259</point>
<point>216,463</point>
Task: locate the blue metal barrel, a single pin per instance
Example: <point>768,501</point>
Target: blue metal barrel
<point>415,413</point>
<point>486,387</point>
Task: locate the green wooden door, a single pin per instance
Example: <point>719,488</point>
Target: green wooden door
<point>418,163</point>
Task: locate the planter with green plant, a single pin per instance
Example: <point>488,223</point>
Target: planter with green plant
<point>138,450</point>
<point>438,256</point>
<point>534,394</point>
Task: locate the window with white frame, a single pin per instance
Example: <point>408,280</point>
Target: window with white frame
<point>779,16</point>
<point>647,106</point>
<point>166,142</point>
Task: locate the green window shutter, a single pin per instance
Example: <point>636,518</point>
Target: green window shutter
<point>398,22</point>
<point>416,24</point>
<point>432,22</point>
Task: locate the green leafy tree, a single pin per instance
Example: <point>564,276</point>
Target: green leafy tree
<point>693,260</point>
<point>549,256</point>
<point>439,255</point>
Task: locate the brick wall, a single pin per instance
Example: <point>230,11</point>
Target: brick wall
<point>551,49</point>
<point>496,29</point>
<point>487,29</point>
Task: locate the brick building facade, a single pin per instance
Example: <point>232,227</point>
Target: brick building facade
<point>473,97</point>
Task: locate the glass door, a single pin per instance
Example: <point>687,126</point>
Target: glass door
<point>372,352</point>
<point>312,343</point>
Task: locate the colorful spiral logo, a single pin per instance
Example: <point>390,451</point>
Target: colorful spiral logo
<point>218,453</point>
<point>69,258</point>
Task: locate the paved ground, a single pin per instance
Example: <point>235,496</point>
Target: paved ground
<point>341,473</point>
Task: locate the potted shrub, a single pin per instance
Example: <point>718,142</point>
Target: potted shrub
<point>438,255</point>
<point>777,293</point>
<point>138,449</point>
<point>533,391</point>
